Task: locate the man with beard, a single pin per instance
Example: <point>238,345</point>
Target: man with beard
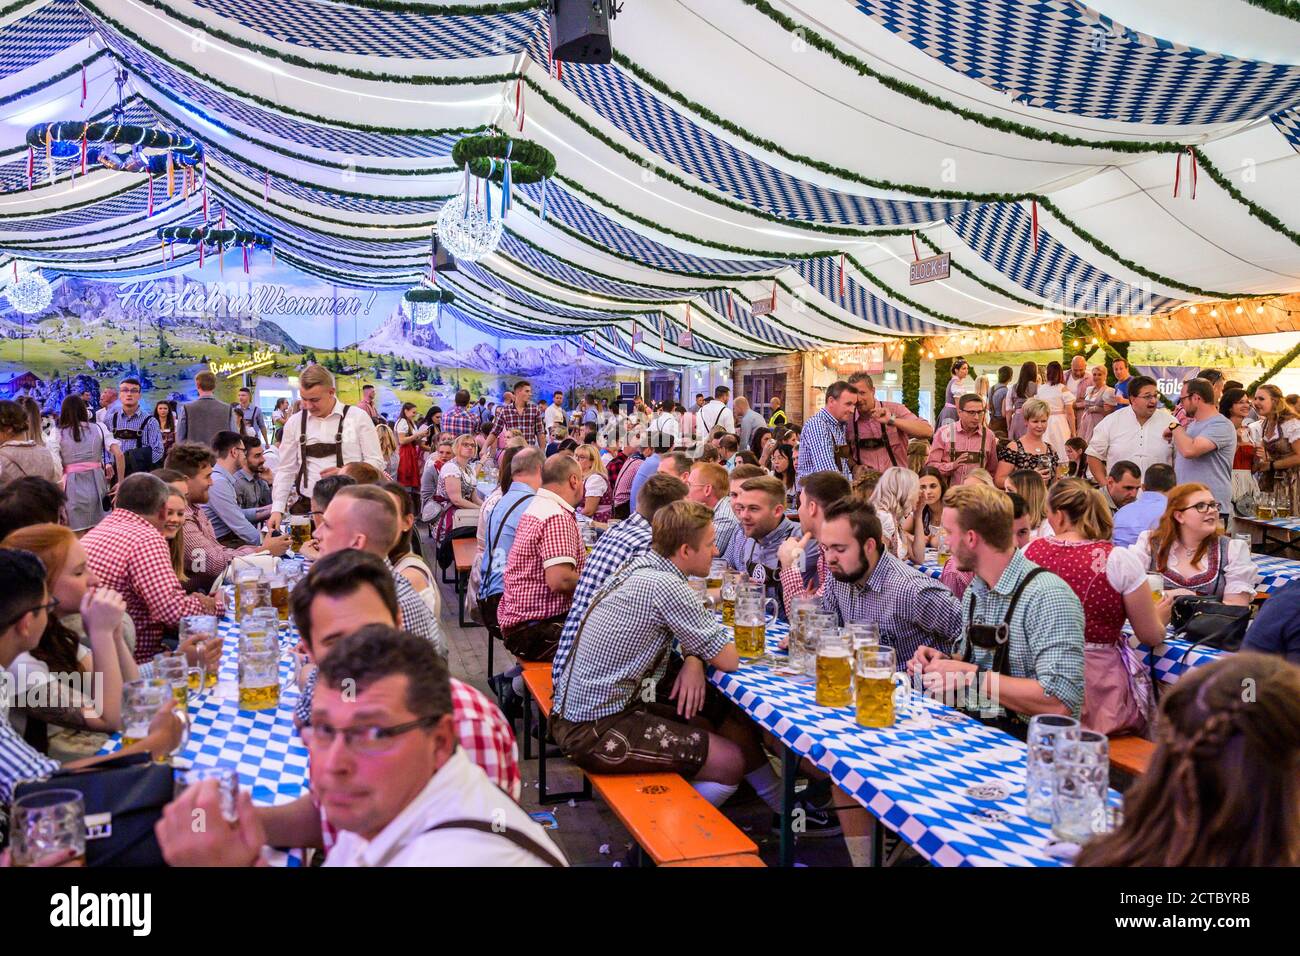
<point>867,584</point>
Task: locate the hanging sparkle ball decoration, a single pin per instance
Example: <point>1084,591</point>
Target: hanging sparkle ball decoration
<point>467,231</point>
<point>468,225</point>
<point>426,304</point>
<point>31,294</point>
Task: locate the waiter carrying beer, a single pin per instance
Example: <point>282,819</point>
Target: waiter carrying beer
<point>318,442</point>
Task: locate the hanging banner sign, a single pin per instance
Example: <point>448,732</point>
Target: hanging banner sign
<point>927,270</point>
<point>763,306</point>
<point>258,359</point>
<point>862,358</point>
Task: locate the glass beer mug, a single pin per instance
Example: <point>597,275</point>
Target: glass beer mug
<point>173,669</point>
<point>141,700</point>
<point>48,822</point>
<point>280,594</point>
<point>717,570</point>
<point>834,668</point>
<point>246,581</point>
<point>204,626</point>
<point>802,610</point>
<point>299,532</point>
<point>751,619</point>
<point>730,581</point>
<point>875,684</point>
<point>259,667</point>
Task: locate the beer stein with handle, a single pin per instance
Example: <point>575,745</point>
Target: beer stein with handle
<point>834,668</point>
<point>752,616</point>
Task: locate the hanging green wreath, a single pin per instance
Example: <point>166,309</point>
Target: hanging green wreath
<point>430,296</point>
<point>486,158</point>
<point>211,235</point>
<point>101,137</point>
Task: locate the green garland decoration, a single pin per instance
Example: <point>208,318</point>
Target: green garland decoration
<point>451,9</point>
<point>78,205</point>
<point>423,294</point>
<point>1282,8</point>
<point>486,158</point>
<point>911,375</point>
<point>96,140</point>
<point>1276,367</point>
<point>211,235</point>
<point>50,81</point>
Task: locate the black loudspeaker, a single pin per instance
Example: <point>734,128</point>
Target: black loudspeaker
<point>580,31</point>
<point>443,261</point>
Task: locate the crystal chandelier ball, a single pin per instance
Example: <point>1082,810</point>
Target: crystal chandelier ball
<point>424,313</point>
<point>30,294</point>
<point>468,236</point>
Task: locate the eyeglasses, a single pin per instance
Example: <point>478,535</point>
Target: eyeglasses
<point>362,740</point>
<point>1203,507</point>
<point>47,607</point>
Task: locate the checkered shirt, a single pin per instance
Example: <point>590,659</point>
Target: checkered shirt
<point>910,609</point>
<point>744,550</point>
<point>459,422</point>
<point>204,554</point>
<point>416,616</point>
<point>624,644</point>
<point>141,421</point>
<point>1046,630</point>
<point>481,729</point>
<point>795,585</point>
<point>626,475</point>
<point>725,525</point>
<point>547,535</point>
<point>18,761</point>
<point>821,434</point>
<point>129,556</point>
<point>626,540</point>
<point>529,422</point>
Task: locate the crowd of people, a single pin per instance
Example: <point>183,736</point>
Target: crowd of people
<point>1053,506</point>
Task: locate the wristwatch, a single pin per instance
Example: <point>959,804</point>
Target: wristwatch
<point>1175,424</point>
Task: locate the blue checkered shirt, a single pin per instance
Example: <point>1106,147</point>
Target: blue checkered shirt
<point>625,540</point>
<point>1046,640</point>
<point>821,434</point>
<point>628,637</point>
<point>18,759</point>
<point>909,608</point>
<point>744,551</point>
<point>725,525</point>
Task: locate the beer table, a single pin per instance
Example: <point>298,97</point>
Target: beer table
<point>1273,542</point>
<point>949,786</point>
<point>263,747</point>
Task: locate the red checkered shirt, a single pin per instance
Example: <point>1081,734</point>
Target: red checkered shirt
<point>486,737</point>
<point>459,422</point>
<point>792,585</point>
<point>529,422</point>
<point>130,556</point>
<point>204,554</point>
<point>547,535</point>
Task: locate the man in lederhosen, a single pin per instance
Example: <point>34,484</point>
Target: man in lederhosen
<point>318,442</point>
<point>879,431</point>
<point>136,430</point>
<point>760,510</point>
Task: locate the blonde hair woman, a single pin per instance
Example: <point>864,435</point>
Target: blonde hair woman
<point>895,499</point>
<point>1111,585</point>
<point>978,476</point>
<point>1031,451</point>
<point>388,448</point>
<point>597,500</point>
<point>1030,486</point>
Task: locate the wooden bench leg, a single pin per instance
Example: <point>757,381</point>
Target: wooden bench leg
<point>789,770</point>
<point>877,843</point>
<point>528,718</point>
<point>491,647</point>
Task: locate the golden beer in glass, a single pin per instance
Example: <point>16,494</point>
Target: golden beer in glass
<point>834,671</point>
<point>751,640</point>
<point>280,596</point>
<point>874,687</point>
<point>259,666</point>
<point>751,620</point>
<point>299,531</point>
<point>259,698</point>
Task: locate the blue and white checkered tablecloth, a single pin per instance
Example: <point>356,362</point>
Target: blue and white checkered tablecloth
<point>262,746</point>
<point>1273,572</point>
<point>920,777</point>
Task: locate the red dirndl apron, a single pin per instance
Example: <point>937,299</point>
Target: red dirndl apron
<point>408,465</point>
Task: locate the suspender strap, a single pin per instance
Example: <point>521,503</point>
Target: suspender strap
<point>301,484</point>
<point>1003,653</point>
<point>492,549</point>
<point>525,843</point>
<point>338,439</point>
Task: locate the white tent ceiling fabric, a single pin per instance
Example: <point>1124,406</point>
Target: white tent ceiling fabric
<point>734,150</point>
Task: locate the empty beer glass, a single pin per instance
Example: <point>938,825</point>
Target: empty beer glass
<point>801,610</point>
<point>246,595</point>
<point>1081,773</point>
<point>227,787</point>
<point>1045,732</point>
<point>700,588</point>
<point>751,618</point>
<point>834,668</point>
<point>46,823</point>
<point>259,667</point>
<point>203,626</point>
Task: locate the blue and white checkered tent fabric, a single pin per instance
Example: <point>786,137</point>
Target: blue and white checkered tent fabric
<point>691,148</point>
<point>45,32</point>
<point>1060,55</point>
<point>1288,124</point>
<point>523,253</point>
<point>1002,235</point>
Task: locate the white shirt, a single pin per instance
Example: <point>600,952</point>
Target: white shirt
<point>712,416</point>
<point>460,790</point>
<point>554,415</point>
<point>360,443</point>
<point>1119,437</point>
<point>1241,576</point>
<point>666,424</point>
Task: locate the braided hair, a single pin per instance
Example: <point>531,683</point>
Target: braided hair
<point>1223,787</point>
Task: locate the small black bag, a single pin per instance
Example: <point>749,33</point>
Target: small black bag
<point>124,799</point>
<point>1209,622</point>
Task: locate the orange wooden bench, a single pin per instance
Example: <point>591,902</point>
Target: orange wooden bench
<point>1131,754</point>
<point>666,816</point>
<point>463,550</point>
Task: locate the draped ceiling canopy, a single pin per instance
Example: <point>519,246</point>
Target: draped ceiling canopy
<point>795,152</point>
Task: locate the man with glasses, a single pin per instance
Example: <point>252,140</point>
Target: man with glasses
<point>389,768</point>
<point>135,429</point>
<point>1135,433</point>
<point>962,446</point>
<point>1203,450</point>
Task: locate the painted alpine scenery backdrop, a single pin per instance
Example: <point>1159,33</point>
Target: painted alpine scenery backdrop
<point>165,330</point>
